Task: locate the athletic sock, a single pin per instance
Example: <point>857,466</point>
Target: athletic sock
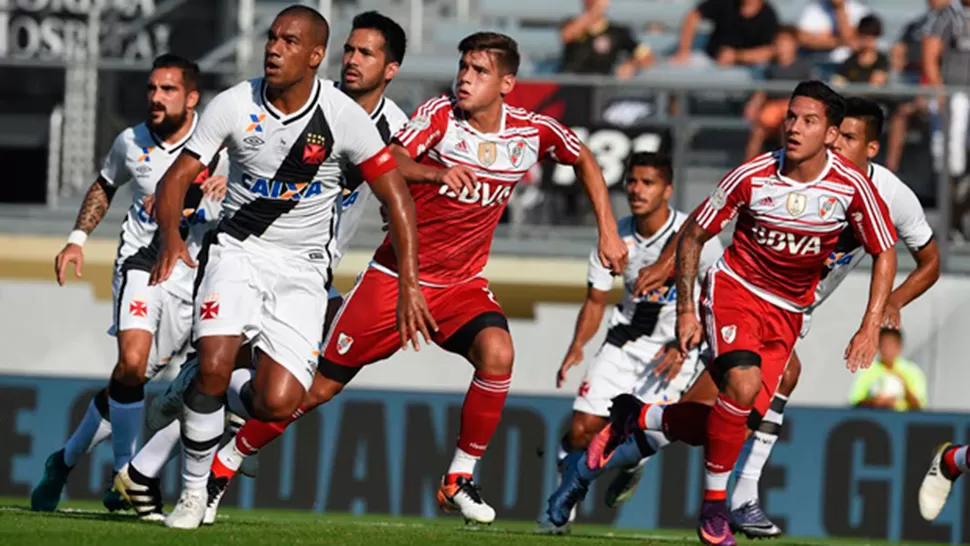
<point>203,420</point>
<point>955,462</point>
<point>686,422</point>
<point>126,405</point>
<point>754,455</point>
<point>93,429</point>
<point>725,436</point>
<point>239,396</point>
<point>152,457</point>
<point>480,415</point>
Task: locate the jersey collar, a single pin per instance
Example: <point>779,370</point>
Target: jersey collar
<point>175,146</point>
<point>501,127</point>
<point>660,234</point>
<point>821,176</point>
<point>871,171</point>
<point>378,109</point>
<point>290,118</point>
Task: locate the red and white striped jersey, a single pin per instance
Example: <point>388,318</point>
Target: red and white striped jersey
<point>786,229</point>
<point>455,231</point>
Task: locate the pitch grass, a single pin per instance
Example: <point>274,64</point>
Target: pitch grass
<point>79,523</point>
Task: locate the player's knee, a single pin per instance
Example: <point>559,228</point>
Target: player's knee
<point>492,352</point>
<point>213,377</point>
<point>584,426</point>
<point>740,373</point>
<point>274,406</point>
<point>790,378</point>
<point>131,367</point>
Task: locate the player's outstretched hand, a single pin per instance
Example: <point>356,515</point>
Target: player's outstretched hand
<point>862,349</point>
<point>612,251</point>
<point>689,332</point>
<point>413,316</point>
<point>214,187</point>
<point>671,364</point>
<point>458,179</point>
<point>573,357</point>
<point>892,318</point>
<point>71,254</point>
<point>652,277</point>
<point>173,250</point>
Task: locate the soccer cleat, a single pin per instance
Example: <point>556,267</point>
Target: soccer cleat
<point>751,520</point>
<point>935,489</point>
<point>189,510</point>
<point>145,498</point>
<point>168,407</point>
<point>47,495</point>
<point>714,528</point>
<point>112,500</point>
<point>465,496</point>
<point>624,416</point>
<point>216,488</point>
<point>623,486</point>
<point>571,491</point>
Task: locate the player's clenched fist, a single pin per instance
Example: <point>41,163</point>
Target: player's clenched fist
<point>612,251</point>
<point>72,254</point>
<point>458,179</point>
<point>689,332</point>
<point>173,250</point>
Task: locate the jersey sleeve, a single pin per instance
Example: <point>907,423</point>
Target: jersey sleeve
<point>869,217</point>
<point>215,126</point>
<point>361,144</point>
<point>426,127</point>
<point>115,171</point>
<point>598,277</point>
<point>909,219</point>
<point>733,192</point>
<point>557,141</point>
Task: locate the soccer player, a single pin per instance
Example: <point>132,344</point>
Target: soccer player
<point>792,206</point>
<point>265,271</point>
<point>462,156</point>
<point>152,323</point>
<point>373,53</point>
<point>858,141</point>
<point>640,354</point>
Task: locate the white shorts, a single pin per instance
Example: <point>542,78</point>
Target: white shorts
<point>278,302</point>
<point>806,324</point>
<point>166,316</point>
<point>615,371</point>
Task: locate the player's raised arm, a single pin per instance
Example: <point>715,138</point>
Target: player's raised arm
<point>600,281</point>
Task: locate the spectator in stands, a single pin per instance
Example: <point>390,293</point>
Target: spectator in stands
<point>767,110</point>
<point>592,44</point>
<point>867,64</point>
<point>892,382</point>
<point>906,60</point>
<point>946,61</point>
<point>743,33</point>
<point>829,26</point>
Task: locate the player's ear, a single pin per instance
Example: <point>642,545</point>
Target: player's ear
<point>192,99</point>
<point>317,55</point>
<point>872,148</point>
<point>390,71</point>
<point>668,191</point>
<point>831,135</point>
<point>508,83</point>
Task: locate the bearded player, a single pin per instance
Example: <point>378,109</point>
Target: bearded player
<point>792,205</point>
<point>462,156</point>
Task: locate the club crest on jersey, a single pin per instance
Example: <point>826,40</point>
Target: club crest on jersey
<point>797,203</point>
<point>419,123</point>
<point>343,343</point>
<point>487,153</point>
<point>826,206</point>
<point>210,307</point>
<point>138,308</point>
<point>728,333</point>
<point>516,151</point>
<point>718,199</point>
<point>253,142</point>
<point>256,123</point>
<point>315,150</point>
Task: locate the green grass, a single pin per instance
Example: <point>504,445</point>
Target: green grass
<point>88,523</point>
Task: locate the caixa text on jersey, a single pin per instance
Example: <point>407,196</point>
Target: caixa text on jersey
<point>279,189</point>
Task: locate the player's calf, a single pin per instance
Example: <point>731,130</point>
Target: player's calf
<point>126,393</point>
<point>583,428</point>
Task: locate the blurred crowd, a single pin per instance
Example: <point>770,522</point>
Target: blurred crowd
<point>837,40</point>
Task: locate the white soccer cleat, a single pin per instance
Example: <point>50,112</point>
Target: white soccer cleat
<point>146,500</point>
<point>935,489</point>
<point>215,489</point>
<point>466,497</point>
<point>623,486</point>
<point>168,407</point>
<point>190,509</point>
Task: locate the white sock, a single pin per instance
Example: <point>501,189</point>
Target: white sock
<point>755,453</point>
<point>960,457</point>
<point>230,456</point>
<point>462,463</point>
<point>237,382</point>
<point>716,481</point>
<point>654,418</point>
<point>203,420</point>
<point>151,458</point>
<point>126,423</point>
<point>92,430</point>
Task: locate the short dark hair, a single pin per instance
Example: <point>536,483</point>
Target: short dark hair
<point>190,71</point>
<point>891,332</point>
<point>790,30</point>
<point>833,102</point>
<point>869,112</point>
<point>870,25</point>
<point>504,48</point>
<point>395,40</point>
<point>657,160</point>
<point>318,23</point>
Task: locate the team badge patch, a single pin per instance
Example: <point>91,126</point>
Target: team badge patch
<point>210,307</point>
<point>718,199</point>
<point>253,141</point>
<point>826,206</point>
<point>487,153</point>
<point>315,150</point>
<point>419,123</point>
<point>516,151</point>
<point>138,308</point>
<point>797,203</point>
<point>343,343</point>
<point>728,333</point>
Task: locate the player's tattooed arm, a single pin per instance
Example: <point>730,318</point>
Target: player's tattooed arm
<point>689,249</point>
<point>95,205</point>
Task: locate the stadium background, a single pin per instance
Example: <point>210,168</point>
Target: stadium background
<point>837,471</point>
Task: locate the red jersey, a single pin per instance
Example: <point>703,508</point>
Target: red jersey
<point>786,229</point>
<point>455,231</point>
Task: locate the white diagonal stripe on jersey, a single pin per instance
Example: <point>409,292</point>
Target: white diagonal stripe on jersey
<point>842,189</point>
<point>571,144</point>
<point>428,109</point>
<point>870,204</point>
<point>447,161</point>
<point>799,225</point>
<point>730,182</point>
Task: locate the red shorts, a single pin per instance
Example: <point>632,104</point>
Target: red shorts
<point>737,320</point>
<point>365,329</point>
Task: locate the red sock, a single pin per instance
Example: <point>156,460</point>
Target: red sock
<point>951,468</point>
<point>725,438</point>
<point>220,470</point>
<point>686,422</point>
<point>482,411</point>
<point>255,433</point>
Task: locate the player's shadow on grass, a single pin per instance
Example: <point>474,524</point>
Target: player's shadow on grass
<point>73,513</point>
